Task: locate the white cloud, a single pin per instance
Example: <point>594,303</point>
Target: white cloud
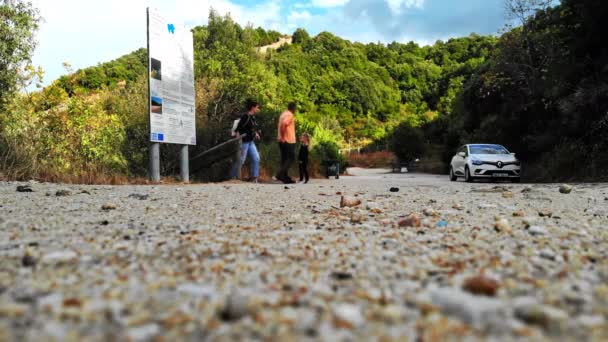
<point>299,16</point>
<point>397,6</point>
<point>301,5</point>
<point>329,3</point>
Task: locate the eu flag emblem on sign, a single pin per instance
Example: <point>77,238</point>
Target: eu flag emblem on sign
<point>171,28</point>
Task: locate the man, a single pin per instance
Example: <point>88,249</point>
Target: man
<point>287,142</point>
<point>247,128</point>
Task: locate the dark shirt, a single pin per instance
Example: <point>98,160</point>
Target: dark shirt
<point>303,154</point>
<point>247,127</point>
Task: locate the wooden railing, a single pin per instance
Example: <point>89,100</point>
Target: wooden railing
<point>227,149</point>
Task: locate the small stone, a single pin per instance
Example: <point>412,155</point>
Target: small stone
<point>508,194</point>
<point>356,218</point>
<point>59,257</point>
<point>392,314</point>
<point>347,201</point>
<point>25,295</point>
<point>373,207</point>
<point>72,302</point>
<point>13,310</point>
<point>565,189</point>
<point>140,197</point>
<point>28,261</point>
<point>390,244</point>
<point>545,213</point>
<point>411,221</point>
<point>145,332</point>
<point>502,225</point>
<point>338,275</point>
<point>85,192</point>
<point>457,206</point>
<point>108,206</point>
<point>235,307</point>
<point>24,188</point>
<point>547,254</point>
<point>591,322</point>
<point>196,290</point>
<point>306,323</point>
<point>61,193</point>
<point>479,311</point>
<point>481,285</point>
<point>288,315</point>
<point>537,230</point>
<point>347,316</point>
<point>547,317</point>
<point>429,212</point>
<point>519,213</point>
<point>487,206</point>
<point>394,189</point>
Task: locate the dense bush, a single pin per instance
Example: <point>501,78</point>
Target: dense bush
<point>407,143</point>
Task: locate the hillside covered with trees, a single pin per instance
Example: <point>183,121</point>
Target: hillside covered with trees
<point>540,89</point>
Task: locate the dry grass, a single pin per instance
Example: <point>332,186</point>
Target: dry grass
<point>89,178</point>
<point>378,159</point>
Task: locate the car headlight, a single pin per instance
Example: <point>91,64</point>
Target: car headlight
<point>476,162</point>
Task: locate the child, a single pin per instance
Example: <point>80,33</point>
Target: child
<point>303,157</point>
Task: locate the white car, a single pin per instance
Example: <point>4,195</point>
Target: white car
<point>476,161</point>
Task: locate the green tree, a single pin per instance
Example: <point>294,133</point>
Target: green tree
<point>301,36</point>
<point>18,25</point>
<point>407,142</point>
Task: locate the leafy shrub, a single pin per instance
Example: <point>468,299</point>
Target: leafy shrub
<point>327,152</point>
<point>407,142</point>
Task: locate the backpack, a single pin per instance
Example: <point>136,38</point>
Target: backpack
<point>235,124</point>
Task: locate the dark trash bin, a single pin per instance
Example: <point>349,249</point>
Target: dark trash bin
<point>332,168</point>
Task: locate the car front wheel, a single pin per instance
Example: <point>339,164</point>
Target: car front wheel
<point>453,177</point>
<point>467,175</point>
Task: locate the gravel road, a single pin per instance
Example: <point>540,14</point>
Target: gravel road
<point>334,260</point>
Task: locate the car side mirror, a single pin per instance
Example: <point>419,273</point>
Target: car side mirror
<point>462,154</point>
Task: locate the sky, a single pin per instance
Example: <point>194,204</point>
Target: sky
<point>88,32</point>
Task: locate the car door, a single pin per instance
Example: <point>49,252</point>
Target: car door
<point>459,161</point>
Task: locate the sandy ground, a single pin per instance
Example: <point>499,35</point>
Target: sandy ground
<point>433,260</point>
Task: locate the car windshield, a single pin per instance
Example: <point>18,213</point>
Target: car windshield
<point>488,149</point>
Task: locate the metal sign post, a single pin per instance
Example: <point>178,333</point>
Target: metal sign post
<point>154,169</point>
<point>184,166</point>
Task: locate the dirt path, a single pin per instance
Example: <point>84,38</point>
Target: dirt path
<point>269,262</point>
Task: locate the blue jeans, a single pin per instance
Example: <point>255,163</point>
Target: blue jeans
<point>249,149</point>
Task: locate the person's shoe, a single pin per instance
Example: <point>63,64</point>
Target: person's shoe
<point>289,181</point>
